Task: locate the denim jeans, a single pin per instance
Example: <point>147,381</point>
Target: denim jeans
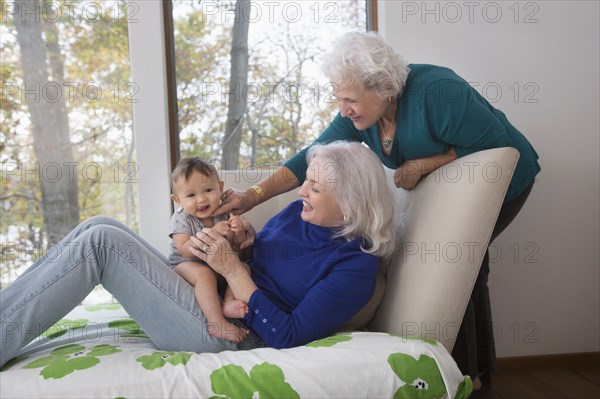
<point>104,251</point>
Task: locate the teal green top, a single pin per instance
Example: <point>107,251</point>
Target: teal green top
<point>437,110</point>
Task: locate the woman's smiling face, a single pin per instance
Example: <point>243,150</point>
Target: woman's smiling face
<point>363,107</point>
<point>320,205</point>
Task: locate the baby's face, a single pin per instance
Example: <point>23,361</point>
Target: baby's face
<point>200,195</point>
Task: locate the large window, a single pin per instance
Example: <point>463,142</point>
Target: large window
<point>67,150</point>
<point>249,88</point>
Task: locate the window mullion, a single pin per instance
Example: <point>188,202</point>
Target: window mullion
<point>150,121</point>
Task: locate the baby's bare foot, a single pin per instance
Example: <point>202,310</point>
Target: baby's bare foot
<point>228,331</point>
<point>235,309</point>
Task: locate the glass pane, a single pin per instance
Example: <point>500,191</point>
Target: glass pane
<point>66,132</point>
<point>283,102</point>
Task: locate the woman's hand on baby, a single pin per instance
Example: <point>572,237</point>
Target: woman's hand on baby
<point>215,250</point>
<point>235,202</point>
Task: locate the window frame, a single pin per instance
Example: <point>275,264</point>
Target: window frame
<point>372,25</point>
<point>155,123</point>
<point>151,121</point>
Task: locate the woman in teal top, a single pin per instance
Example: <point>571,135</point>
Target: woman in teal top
<point>437,111</point>
<point>416,118</point>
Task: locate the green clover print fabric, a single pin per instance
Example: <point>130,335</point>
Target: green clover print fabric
<point>66,359</point>
<point>12,362</point>
<point>129,325</point>
<point>330,341</point>
<point>422,377</point>
<point>95,308</point>
<point>159,359</point>
<point>62,326</point>
<point>268,380</point>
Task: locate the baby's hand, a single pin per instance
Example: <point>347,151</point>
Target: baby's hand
<point>222,228</point>
<point>236,223</point>
<point>238,231</point>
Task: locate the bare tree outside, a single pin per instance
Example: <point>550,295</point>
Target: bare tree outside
<point>238,81</point>
<point>66,139</point>
<point>249,94</point>
<point>283,102</point>
<point>49,119</point>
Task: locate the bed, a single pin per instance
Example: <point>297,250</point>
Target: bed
<point>404,351</point>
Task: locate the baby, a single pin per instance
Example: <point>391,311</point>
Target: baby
<point>197,191</point>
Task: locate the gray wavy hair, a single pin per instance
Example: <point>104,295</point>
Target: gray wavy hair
<point>360,186</point>
<point>365,60</point>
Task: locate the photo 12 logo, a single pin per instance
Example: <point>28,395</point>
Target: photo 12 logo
<point>518,332</point>
<point>267,92</point>
<point>272,11</point>
<point>84,12</point>
<point>53,172</point>
<point>453,12</point>
<point>69,92</point>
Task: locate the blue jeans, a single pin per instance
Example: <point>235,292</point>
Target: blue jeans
<point>104,251</point>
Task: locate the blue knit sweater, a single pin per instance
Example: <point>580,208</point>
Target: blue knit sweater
<point>309,284</point>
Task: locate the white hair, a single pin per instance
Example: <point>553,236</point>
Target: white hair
<point>365,60</point>
<point>360,187</point>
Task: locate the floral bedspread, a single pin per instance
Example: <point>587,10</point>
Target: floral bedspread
<point>99,351</point>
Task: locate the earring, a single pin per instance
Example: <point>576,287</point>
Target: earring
<point>346,219</point>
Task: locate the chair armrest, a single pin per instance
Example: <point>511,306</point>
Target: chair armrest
<point>451,216</point>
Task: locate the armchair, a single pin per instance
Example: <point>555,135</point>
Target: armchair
<point>98,351</point>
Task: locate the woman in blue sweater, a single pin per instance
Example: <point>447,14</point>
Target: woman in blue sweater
<point>416,118</point>
<point>314,266</point>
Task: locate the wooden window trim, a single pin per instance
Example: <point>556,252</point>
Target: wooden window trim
<point>372,25</point>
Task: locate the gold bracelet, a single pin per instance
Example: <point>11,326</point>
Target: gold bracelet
<point>258,190</point>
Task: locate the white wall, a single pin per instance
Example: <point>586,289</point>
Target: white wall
<point>545,280</point>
